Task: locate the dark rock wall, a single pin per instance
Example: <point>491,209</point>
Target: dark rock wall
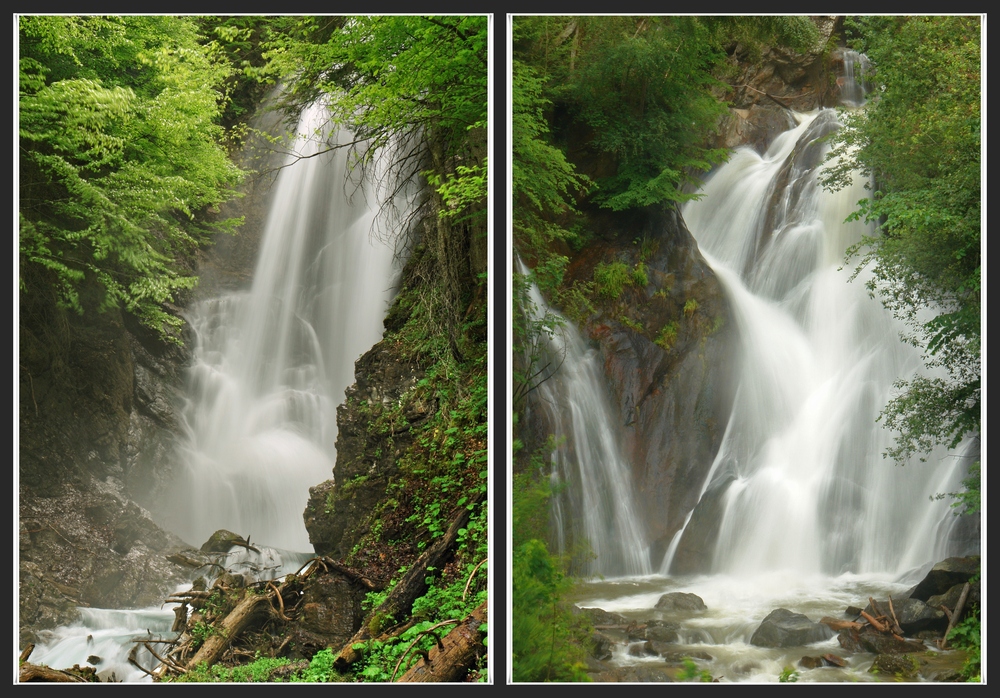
<point>672,402</point>
<point>87,403</point>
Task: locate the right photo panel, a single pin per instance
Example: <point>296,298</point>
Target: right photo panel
<point>745,363</point>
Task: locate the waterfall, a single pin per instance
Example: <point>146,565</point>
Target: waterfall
<point>594,502</point>
<point>805,486</point>
<point>270,365</point>
<point>852,83</point>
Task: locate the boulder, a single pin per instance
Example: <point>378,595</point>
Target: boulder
<point>914,615</point>
<point>661,631</point>
<point>784,628</point>
<point>867,639</point>
<point>944,575</point>
<point>899,666</point>
<point>679,601</point>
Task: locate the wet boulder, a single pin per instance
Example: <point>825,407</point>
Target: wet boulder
<point>784,628</point>
<point>914,616</point>
<point>868,639</point>
<point>899,666</point>
<point>680,601</point>
<point>661,631</point>
<point>944,575</point>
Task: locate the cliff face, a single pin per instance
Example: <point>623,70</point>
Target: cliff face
<point>665,345</point>
<point>95,410</point>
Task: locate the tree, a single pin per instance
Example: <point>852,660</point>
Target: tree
<point>413,91</point>
<point>920,141</point>
<point>119,153</point>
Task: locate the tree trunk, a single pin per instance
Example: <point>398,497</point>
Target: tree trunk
<point>455,656</point>
<point>35,672</point>
<point>412,586</point>
<point>224,631</point>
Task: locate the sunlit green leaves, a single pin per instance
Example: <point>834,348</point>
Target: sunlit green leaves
<point>920,139</point>
<point>119,151</point>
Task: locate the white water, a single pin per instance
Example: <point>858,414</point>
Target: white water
<point>271,365</point>
<point>595,503</point>
<point>813,517</point>
<point>808,488</point>
<point>104,638</point>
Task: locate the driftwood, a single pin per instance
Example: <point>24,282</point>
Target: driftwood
<point>225,630</point>
<point>955,616</point>
<point>35,672</point>
<point>412,586</point>
<point>455,655</point>
<point>836,624</point>
<point>895,621</point>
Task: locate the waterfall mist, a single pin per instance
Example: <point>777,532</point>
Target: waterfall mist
<point>806,487</point>
<point>270,365</point>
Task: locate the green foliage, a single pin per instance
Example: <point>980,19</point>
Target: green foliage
<point>788,675</point>
<point>920,139</point>
<point>967,636</point>
<point>643,86</point>
<point>393,76</point>
<point>668,335</point>
<point>549,643</point>
<point>257,671</point>
<point>119,153</point>
<point>633,325</point>
<point>640,275</point>
<point>690,672</point>
<point>611,279</point>
<point>199,633</point>
<point>690,307</point>
<point>320,669</point>
<point>544,181</point>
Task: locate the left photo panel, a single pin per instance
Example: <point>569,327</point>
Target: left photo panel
<point>253,370</point>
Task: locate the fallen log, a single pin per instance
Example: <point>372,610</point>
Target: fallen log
<point>836,624</point>
<point>412,586</point>
<point>37,673</point>
<point>455,655</point>
<point>881,627</point>
<point>225,630</point>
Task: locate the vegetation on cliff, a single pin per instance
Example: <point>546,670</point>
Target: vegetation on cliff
<point>919,138</point>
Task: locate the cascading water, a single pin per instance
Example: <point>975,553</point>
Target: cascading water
<point>806,487</point>
<point>271,365</point>
<point>810,517</point>
<point>594,505</point>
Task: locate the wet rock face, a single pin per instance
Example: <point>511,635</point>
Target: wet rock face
<point>666,347</point>
<point>338,513</point>
<point>95,391</point>
<point>802,82</point>
<point>90,548</point>
<point>944,575</point>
